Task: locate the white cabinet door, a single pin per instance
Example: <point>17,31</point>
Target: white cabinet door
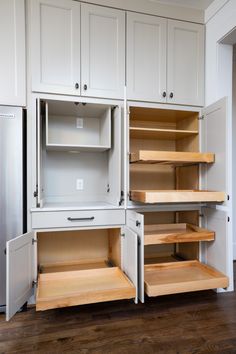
<point>20,272</point>
<point>12,58</point>
<point>114,159</point>
<point>55,46</point>
<point>215,139</point>
<point>135,222</point>
<point>146,57</point>
<point>102,52</point>
<point>185,69</point>
<point>218,253</point>
<point>130,256</point>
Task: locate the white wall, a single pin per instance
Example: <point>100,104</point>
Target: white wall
<point>221,20</point>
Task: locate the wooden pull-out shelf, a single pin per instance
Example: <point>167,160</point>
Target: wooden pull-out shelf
<point>162,134</point>
<point>175,233</point>
<point>180,277</point>
<point>176,196</point>
<point>72,288</point>
<point>170,157</point>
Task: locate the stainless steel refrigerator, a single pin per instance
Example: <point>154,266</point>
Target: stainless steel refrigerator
<point>12,183</point>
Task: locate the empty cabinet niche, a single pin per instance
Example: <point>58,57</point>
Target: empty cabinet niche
<point>165,157</point>
<point>79,154</point>
<point>170,253</point>
<point>71,267</point>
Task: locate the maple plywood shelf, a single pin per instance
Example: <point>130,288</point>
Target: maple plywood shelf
<point>175,233</point>
<point>180,277</point>
<point>159,133</point>
<point>62,289</point>
<point>176,196</point>
<point>170,157</point>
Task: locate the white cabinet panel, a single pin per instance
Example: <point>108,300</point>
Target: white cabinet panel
<point>214,138</point>
<point>102,52</point>
<point>146,57</point>
<point>12,58</point>
<point>185,73</point>
<point>20,272</point>
<point>55,46</point>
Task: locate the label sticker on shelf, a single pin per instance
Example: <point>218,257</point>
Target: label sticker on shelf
<point>79,123</point>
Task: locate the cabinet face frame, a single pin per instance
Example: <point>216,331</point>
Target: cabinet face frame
<point>68,84</point>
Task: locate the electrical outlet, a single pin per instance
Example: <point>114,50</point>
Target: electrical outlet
<point>79,184</point>
<point>79,123</point>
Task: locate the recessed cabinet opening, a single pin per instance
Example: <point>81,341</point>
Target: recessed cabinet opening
<point>79,155</point>
<point>80,267</point>
<point>172,254</point>
<point>165,157</point>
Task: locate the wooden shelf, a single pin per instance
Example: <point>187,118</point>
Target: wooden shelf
<point>170,157</point>
<point>175,233</point>
<point>68,266</point>
<point>176,196</point>
<point>72,288</point>
<point>180,277</point>
<point>162,134</point>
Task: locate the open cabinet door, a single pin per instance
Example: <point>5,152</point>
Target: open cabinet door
<point>20,272</point>
<point>215,139</point>
<point>130,256</point>
<point>39,142</point>
<point>216,252</point>
<point>135,222</point>
<point>115,158</point>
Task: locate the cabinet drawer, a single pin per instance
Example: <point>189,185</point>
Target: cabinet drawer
<point>54,219</point>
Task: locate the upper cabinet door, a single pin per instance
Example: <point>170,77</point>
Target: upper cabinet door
<point>102,52</point>
<point>55,46</point>
<point>185,73</point>
<point>12,58</point>
<point>146,57</point>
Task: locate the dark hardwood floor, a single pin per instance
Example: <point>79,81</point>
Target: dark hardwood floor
<point>203,322</point>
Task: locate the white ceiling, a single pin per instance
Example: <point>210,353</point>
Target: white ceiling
<point>194,4</point>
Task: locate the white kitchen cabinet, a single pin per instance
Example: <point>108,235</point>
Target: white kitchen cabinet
<point>102,52</point>
<point>78,155</point>
<point>170,258</point>
<point>12,58</point>
<point>69,268</point>
<point>55,46</point>
<point>165,60</point>
<point>146,57</point>
<point>185,73</point>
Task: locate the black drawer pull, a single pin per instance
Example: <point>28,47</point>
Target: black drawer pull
<point>81,219</point>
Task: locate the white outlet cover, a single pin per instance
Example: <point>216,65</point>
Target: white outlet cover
<point>79,123</point>
<point>79,184</point>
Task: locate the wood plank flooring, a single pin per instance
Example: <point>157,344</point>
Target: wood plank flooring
<point>194,323</point>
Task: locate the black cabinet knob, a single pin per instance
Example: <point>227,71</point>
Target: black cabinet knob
<point>85,87</point>
<point>171,95</point>
<point>164,94</point>
<point>77,86</point>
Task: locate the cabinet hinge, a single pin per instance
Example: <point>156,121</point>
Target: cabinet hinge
<point>108,188</point>
<point>139,242</point>
<point>228,197</point>
<point>228,219</point>
<point>201,215</point>
<point>138,223</point>
<point>34,283</point>
<point>122,235</point>
<point>121,198</point>
<point>34,241</point>
<point>201,117</point>
<point>36,193</point>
